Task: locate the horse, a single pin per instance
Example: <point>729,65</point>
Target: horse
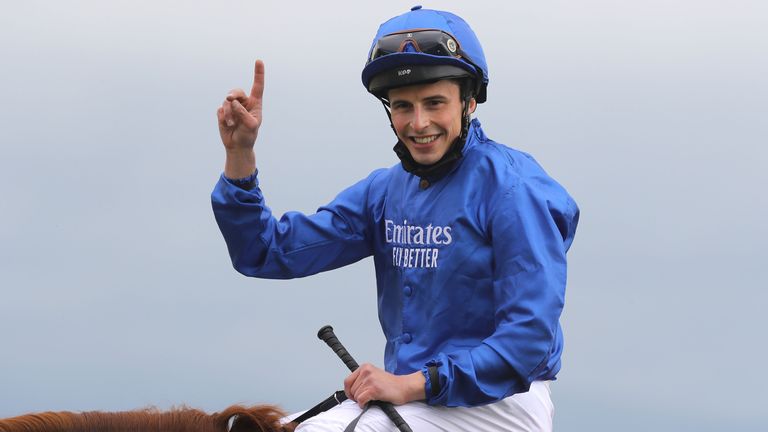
<point>236,418</point>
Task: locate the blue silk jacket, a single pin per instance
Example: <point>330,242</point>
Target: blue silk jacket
<point>470,270</point>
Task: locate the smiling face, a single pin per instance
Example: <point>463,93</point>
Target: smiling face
<point>427,118</point>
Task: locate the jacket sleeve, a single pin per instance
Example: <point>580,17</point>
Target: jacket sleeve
<point>296,245</point>
<point>531,226</point>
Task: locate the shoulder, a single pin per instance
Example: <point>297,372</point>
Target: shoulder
<point>373,187</point>
<point>511,173</point>
<point>378,179</point>
<point>374,179</point>
<point>502,164</point>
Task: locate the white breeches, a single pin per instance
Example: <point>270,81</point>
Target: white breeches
<point>524,412</point>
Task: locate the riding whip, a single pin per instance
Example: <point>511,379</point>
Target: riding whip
<point>326,335</point>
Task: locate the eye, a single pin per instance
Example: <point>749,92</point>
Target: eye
<point>399,106</point>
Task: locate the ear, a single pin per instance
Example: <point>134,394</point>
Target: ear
<point>260,418</point>
<point>472,106</point>
<point>248,423</point>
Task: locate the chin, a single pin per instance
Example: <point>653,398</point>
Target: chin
<point>427,160</point>
<point>427,157</point>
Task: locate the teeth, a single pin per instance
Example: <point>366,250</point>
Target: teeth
<point>425,140</point>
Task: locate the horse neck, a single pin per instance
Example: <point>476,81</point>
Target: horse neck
<point>263,418</point>
<point>148,420</point>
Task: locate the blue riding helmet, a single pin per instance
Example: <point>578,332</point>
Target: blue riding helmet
<point>422,46</point>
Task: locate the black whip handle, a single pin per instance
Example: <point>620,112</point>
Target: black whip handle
<point>326,335</point>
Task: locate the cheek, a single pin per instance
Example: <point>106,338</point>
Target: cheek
<point>400,123</point>
<point>457,121</point>
<point>452,123</point>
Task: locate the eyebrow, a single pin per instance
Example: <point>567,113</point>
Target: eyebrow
<point>435,98</point>
<point>438,98</point>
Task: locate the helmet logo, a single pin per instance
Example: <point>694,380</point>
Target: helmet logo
<point>451,44</point>
<point>403,72</point>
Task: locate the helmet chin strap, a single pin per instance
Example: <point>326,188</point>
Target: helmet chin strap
<point>446,163</point>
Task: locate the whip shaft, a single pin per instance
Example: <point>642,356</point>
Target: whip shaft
<point>326,335</point>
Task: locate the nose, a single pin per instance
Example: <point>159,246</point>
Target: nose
<point>420,120</point>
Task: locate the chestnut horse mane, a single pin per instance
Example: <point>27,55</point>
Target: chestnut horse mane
<point>237,418</point>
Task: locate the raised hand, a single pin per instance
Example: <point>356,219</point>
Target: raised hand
<point>239,118</point>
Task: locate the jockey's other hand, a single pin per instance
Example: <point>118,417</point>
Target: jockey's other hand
<point>369,383</point>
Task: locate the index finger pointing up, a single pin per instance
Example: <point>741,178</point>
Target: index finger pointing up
<point>258,81</point>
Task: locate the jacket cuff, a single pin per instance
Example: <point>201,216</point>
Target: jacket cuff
<point>245,183</point>
<point>433,388</point>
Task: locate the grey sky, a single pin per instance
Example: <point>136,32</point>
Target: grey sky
<point>116,288</point>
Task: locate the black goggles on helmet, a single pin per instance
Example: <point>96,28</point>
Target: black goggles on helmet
<point>434,42</point>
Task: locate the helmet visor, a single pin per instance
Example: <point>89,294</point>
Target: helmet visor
<point>434,42</point>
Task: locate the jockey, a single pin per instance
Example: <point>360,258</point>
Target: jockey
<point>468,238</point>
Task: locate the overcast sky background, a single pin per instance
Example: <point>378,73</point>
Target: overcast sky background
<point>116,288</point>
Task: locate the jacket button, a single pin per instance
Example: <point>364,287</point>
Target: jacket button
<point>407,338</point>
<point>407,290</point>
<point>423,183</point>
